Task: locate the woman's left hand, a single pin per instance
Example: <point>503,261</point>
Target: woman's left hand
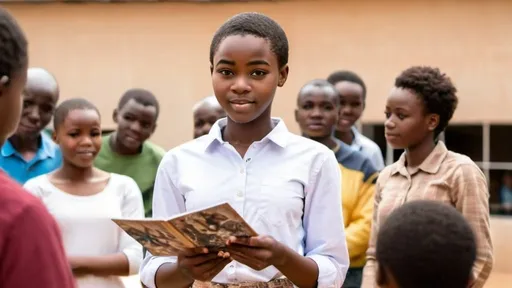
<point>256,252</point>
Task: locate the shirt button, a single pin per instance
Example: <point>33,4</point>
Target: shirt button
<point>242,170</point>
<point>240,193</point>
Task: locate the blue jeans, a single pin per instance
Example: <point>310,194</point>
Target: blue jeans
<point>354,278</point>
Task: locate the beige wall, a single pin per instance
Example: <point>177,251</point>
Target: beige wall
<point>99,50</point>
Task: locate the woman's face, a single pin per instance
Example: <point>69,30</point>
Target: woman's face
<point>79,137</point>
<point>407,123</point>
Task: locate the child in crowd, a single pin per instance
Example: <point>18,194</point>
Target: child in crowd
<point>352,92</point>
<point>127,151</point>
<point>30,152</point>
<point>418,109</point>
<point>84,199</point>
<point>286,187</point>
<point>206,112</point>
<point>317,113</point>
<point>31,252</point>
<point>425,244</point>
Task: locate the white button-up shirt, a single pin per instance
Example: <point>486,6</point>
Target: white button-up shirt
<point>286,186</point>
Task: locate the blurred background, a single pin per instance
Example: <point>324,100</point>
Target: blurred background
<point>99,49</point>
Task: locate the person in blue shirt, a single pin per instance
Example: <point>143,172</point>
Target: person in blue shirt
<point>30,153</point>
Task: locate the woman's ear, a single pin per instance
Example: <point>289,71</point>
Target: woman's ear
<point>283,75</point>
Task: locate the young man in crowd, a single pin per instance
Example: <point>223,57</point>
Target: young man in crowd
<point>30,152</point>
<point>352,93</point>
<point>126,151</point>
<point>317,114</point>
<point>206,112</point>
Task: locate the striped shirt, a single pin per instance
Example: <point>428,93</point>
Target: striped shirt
<point>443,176</point>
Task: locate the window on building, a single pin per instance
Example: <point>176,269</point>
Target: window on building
<point>376,133</point>
<point>500,143</point>
<point>465,139</point>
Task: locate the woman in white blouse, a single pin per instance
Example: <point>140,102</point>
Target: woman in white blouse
<point>84,199</point>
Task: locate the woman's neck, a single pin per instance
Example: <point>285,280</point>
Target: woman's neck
<point>416,155</point>
<point>24,144</point>
<point>73,173</point>
<point>346,136</point>
<point>247,133</point>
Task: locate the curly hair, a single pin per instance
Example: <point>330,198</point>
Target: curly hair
<point>425,244</point>
<point>257,25</point>
<point>13,45</point>
<point>435,88</point>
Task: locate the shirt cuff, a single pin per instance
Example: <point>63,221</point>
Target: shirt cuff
<point>330,274</point>
<point>148,271</point>
<point>134,257</point>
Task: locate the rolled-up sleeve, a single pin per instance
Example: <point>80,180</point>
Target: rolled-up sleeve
<point>323,222</point>
<point>133,208</point>
<point>167,202</point>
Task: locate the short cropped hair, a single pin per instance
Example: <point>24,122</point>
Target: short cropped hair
<point>425,244</point>
<point>141,96</point>
<point>13,45</point>
<point>69,105</point>
<point>257,25</point>
<point>434,88</point>
<point>349,76</point>
<point>319,83</point>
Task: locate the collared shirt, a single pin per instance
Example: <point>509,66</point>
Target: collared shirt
<point>285,186</point>
<point>443,176</point>
<point>369,148</point>
<point>48,158</point>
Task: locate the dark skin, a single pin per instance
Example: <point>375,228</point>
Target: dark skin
<point>245,76</point>
<point>40,97</point>
<point>351,109</point>
<point>135,124</point>
<point>408,126</point>
<point>79,138</point>
<point>205,116</point>
<point>11,87</point>
<point>317,114</point>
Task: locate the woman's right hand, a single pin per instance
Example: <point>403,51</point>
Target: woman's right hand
<point>199,264</point>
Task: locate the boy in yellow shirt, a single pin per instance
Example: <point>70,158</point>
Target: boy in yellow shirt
<point>317,113</point>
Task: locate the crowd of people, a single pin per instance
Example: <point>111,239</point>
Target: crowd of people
<point>328,212</point>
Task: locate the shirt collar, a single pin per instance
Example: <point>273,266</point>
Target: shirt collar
<point>278,135</point>
<point>430,165</point>
<point>356,143</point>
<point>46,148</point>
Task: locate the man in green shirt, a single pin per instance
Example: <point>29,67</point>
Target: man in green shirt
<point>126,151</point>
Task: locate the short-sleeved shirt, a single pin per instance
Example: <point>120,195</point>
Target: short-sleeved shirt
<point>31,249</point>
<point>141,167</point>
<point>48,158</point>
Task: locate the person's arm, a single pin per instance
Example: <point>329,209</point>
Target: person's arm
<point>167,201</point>
<point>369,272</point>
<point>127,261</point>
<point>358,230</point>
<point>33,255</point>
<point>325,243</point>
<point>472,199</point>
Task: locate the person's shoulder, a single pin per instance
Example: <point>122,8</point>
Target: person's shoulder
<point>315,147</point>
<point>16,200</point>
<point>356,160</point>
<point>463,164</point>
<point>368,143</point>
<point>154,149</point>
<point>119,180</point>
